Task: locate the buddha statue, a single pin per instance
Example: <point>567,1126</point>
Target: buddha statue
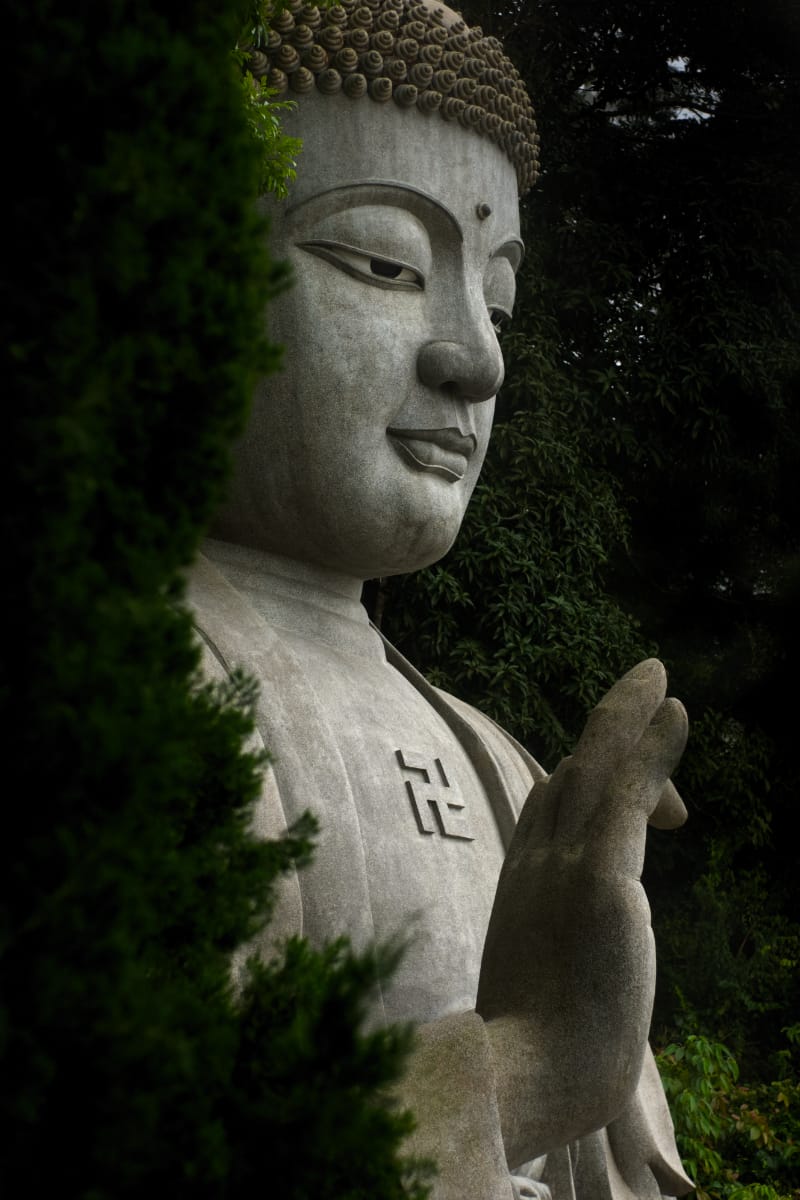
<point>529,970</point>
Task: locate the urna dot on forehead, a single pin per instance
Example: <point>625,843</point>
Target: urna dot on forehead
<point>413,55</point>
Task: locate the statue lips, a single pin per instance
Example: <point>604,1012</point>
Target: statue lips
<point>444,452</point>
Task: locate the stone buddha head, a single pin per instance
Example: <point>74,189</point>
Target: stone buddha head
<point>402,232</point>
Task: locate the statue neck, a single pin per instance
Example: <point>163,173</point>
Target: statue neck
<point>311,603</point>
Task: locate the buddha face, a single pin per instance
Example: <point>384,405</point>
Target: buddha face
<point>403,237</point>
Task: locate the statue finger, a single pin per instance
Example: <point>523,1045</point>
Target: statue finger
<point>643,776</point>
<point>537,820</point>
<point>618,834</point>
<point>580,785</point>
<point>620,764</point>
<point>664,741</point>
<point>670,812</point>
<point>619,721</point>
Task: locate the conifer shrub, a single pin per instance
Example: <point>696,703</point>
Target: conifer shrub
<point>133,314</point>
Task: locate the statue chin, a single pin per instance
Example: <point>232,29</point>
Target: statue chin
<point>388,530</point>
<point>378,554</point>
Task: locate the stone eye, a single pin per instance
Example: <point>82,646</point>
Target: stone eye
<point>392,270</point>
<point>383,272</point>
<point>387,270</point>
<point>499,290</point>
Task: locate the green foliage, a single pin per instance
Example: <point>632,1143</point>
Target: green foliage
<point>737,1142</point>
<point>133,329</point>
<point>641,493</point>
<point>308,1010</point>
<point>277,152</point>
<point>516,618</point>
<point>641,490</point>
<point>729,953</point>
<point>699,1079</point>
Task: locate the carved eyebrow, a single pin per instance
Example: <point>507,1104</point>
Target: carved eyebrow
<point>419,198</point>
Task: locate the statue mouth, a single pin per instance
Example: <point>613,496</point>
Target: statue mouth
<point>444,452</point>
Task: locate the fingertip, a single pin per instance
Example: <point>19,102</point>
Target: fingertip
<point>673,711</point>
<point>670,812</point>
<point>680,707</point>
<point>649,668</point>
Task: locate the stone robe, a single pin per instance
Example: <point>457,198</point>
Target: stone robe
<point>417,796</point>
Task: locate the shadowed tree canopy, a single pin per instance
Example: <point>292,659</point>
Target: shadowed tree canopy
<point>641,493</point>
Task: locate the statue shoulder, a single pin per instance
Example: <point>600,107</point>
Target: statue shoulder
<point>224,624</point>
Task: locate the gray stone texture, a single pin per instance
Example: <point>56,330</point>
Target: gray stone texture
<point>530,962</point>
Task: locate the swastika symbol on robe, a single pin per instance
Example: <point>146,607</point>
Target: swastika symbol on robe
<point>437,805</point>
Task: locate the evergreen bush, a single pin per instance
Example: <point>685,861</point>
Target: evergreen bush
<point>133,315</point>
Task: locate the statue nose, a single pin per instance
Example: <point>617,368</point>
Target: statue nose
<point>470,371</point>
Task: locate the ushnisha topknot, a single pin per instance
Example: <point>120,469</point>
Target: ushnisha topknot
<point>412,52</point>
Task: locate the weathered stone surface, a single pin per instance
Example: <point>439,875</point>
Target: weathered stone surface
<point>416,353</point>
<point>530,962</point>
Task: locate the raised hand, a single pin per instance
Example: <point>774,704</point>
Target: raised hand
<point>568,970</point>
